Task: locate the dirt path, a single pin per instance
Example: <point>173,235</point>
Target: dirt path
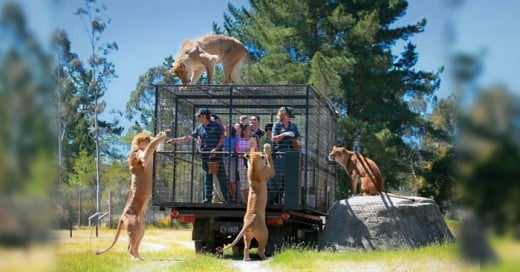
<point>254,265</point>
<point>251,266</point>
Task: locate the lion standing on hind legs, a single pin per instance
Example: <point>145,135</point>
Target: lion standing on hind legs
<point>203,54</point>
<point>260,170</point>
<point>361,169</point>
<point>140,163</point>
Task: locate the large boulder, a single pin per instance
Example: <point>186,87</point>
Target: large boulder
<point>383,222</point>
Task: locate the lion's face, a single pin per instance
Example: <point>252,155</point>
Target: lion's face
<point>182,71</point>
<point>339,154</point>
<point>141,141</point>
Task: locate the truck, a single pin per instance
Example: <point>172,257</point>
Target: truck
<point>308,183</point>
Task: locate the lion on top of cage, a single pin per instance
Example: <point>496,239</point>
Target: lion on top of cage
<point>203,54</point>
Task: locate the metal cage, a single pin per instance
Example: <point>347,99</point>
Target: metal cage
<point>178,171</point>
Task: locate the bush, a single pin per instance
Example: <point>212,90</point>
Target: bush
<point>166,222</point>
<point>62,218</point>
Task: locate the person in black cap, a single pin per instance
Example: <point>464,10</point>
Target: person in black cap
<point>212,138</point>
<point>283,133</point>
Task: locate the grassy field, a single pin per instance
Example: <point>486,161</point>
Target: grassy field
<point>172,250</point>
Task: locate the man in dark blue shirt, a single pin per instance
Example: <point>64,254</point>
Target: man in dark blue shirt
<point>283,132</point>
<point>212,138</point>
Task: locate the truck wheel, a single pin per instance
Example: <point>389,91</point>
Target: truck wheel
<point>199,247</point>
<point>275,241</point>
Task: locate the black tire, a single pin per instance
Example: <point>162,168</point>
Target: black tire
<point>199,247</point>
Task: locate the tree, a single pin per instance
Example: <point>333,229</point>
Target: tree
<point>346,49</point>
<point>84,174</point>
<point>67,74</point>
<point>85,87</point>
<point>436,160</point>
<point>490,155</point>
<point>26,140</point>
<point>140,108</point>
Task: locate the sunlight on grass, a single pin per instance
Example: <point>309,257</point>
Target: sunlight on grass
<point>173,250</point>
<point>433,258</point>
<point>508,250</point>
<point>161,249</point>
<point>34,258</point>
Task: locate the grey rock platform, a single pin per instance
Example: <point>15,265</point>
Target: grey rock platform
<point>381,222</point>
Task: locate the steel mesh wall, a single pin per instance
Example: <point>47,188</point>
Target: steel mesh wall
<point>178,171</point>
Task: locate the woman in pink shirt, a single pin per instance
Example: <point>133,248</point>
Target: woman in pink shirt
<point>243,145</point>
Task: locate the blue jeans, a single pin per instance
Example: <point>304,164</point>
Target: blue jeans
<point>208,178</point>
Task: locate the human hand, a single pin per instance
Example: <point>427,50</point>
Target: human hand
<point>171,141</point>
<point>288,134</point>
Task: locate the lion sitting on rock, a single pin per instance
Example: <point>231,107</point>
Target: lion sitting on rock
<point>140,163</point>
<point>359,169</point>
<point>260,170</point>
<point>203,54</point>
<point>362,170</point>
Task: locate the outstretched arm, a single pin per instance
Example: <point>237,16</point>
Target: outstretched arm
<point>181,139</point>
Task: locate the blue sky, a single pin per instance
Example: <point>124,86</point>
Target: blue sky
<point>148,31</point>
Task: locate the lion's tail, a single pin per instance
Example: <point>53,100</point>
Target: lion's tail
<point>239,236</point>
<point>398,196</point>
<point>119,227</point>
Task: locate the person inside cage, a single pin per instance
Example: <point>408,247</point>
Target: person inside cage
<point>212,139</point>
<point>230,160</point>
<point>268,134</point>
<point>283,134</point>
<point>256,130</point>
<point>243,145</point>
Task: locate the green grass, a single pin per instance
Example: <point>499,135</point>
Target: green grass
<point>161,249</point>
<point>508,251</point>
<point>172,250</point>
<point>432,258</point>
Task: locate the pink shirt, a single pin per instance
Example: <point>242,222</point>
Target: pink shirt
<point>243,145</point>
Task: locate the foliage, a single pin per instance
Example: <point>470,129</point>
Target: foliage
<point>80,88</point>
<point>435,159</point>
<point>140,108</point>
<point>84,170</point>
<point>490,155</point>
<point>26,139</point>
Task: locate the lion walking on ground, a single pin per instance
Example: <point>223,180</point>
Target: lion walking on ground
<point>203,54</point>
<point>260,170</point>
<point>140,163</point>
